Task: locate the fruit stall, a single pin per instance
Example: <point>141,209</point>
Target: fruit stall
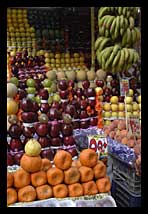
<point>74,107</point>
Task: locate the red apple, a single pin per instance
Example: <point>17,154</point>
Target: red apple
<point>22,94</point>
<point>15,131</point>
<point>53,114</point>
<point>47,153</point>
<point>18,156</point>
<point>43,93</point>
<point>44,141</point>
<point>29,117</point>
<point>28,131</point>
<point>83,114</point>
<point>70,109</point>
<point>44,107</point>
<point>83,104</point>
<point>76,124</point>
<point>100,83</point>
<point>71,83</point>
<point>67,129</point>
<point>93,121</point>
<point>73,152</point>
<point>79,92</point>
<point>121,99</point>
<point>26,104</point>
<point>86,84</point>
<point>106,91</point>
<point>55,129</point>
<point>42,129</point>
<point>57,141</point>
<point>90,92</point>
<point>16,144</point>
<point>10,159</point>
<point>84,124</point>
<point>69,140</point>
<point>114,83</point>
<point>63,85</point>
<point>114,92</point>
<point>92,103</point>
<point>64,94</point>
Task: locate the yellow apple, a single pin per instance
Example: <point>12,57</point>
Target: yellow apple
<point>114,114</point>
<point>128,100</point>
<point>139,99</point>
<point>130,92</point>
<point>129,107</point>
<point>121,114</point>
<point>107,122</point>
<point>81,59</point>
<point>101,98</point>
<point>135,114</point>
<point>47,60</point>
<point>51,55</point>
<point>114,99</point>
<point>57,55</point>
<point>57,61</point>
<point>62,60</point>
<point>135,106</point>
<point>67,55</point>
<point>121,107</point>
<point>99,90</point>
<point>52,60</point>
<point>129,114</point>
<point>46,55</point>
<point>107,114</point>
<point>72,60</point>
<point>76,55</point>
<point>140,106</point>
<point>114,107</point>
<point>107,107</point>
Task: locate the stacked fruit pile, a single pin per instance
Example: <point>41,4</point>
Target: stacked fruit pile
<point>20,35</point>
<point>117,35</point>
<point>38,179</point>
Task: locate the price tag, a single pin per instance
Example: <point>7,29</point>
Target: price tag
<point>124,86</point>
<point>98,143</point>
<point>135,126</point>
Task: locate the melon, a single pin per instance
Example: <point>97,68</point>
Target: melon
<point>51,75</point>
<point>101,74</point>
<point>61,75</point>
<point>71,75</point>
<point>12,107</point>
<point>81,75</point>
<point>91,75</point>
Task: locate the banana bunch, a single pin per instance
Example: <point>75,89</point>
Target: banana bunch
<point>101,42</point>
<point>130,37</point>
<point>125,11</point>
<point>117,59</point>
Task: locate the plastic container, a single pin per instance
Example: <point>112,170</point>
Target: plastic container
<point>123,197</point>
<point>126,175</point>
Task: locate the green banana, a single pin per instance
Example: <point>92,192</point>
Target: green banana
<point>117,27</point>
<point>138,34</point>
<point>103,62</point>
<point>121,60</point>
<point>124,39</point>
<point>109,22</point>
<point>107,52</point>
<point>98,55</point>
<point>126,23</point>
<point>103,12</point>
<point>128,13</point>
<point>119,10</point>
<point>124,11</point>
<point>128,36</point>
<point>103,43</point>
<point>136,57</point>
<point>126,51</point>
<point>121,31</point>
<point>113,26</point>
<point>116,59</point>
<point>131,22</point>
<point>112,56</point>
<point>121,21</point>
<point>107,34</point>
<point>134,36</point>
<point>97,42</point>
<point>130,59</point>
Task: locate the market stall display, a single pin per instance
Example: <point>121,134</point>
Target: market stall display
<point>66,117</point>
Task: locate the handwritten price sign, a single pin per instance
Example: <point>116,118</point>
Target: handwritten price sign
<point>98,143</point>
<point>124,86</point>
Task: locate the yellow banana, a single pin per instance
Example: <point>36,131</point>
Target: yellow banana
<point>103,11</point>
<point>109,22</point>
<point>97,42</point>
<point>107,52</point>
<point>134,36</point>
<point>112,56</point>
<point>116,59</point>
<point>124,39</point>
<point>103,43</point>
<point>113,26</point>
<point>126,51</point>
<point>128,36</point>
<point>119,10</point>
<point>131,22</point>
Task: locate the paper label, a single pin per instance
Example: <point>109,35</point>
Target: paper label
<point>124,86</point>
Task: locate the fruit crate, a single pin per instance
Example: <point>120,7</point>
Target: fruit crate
<point>126,175</point>
<point>123,197</point>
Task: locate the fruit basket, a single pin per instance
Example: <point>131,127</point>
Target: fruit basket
<point>98,200</point>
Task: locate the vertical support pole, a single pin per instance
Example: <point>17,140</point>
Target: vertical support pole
<point>92,39</point>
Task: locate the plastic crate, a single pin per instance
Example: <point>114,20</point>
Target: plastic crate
<point>126,174</point>
<point>123,197</point>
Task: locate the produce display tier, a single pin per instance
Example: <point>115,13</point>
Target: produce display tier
<point>98,200</point>
<point>123,197</point>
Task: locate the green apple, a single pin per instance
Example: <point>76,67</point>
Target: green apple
<point>47,83</point>
<point>48,89</point>
<point>31,90</point>
<point>31,97</point>
<point>114,99</point>
<point>50,99</point>
<point>56,97</point>
<point>30,82</point>
<point>38,99</point>
<point>14,80</point>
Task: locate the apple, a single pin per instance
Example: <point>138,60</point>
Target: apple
<point>44,107</point>
<point>83,104</point>
<point>115,92</point>
<point>85,84</point>
<point>43,93</point>
<point>53,114</point>
<point>55,104</point>
<point>31,90</point>
<point>73,152</point>
<point>140,106</point>
<point>128,100</point>
<point>67,119</point>
<point>29,117</point>
<point>57,141</point>
<point>22,94</point>
<point>93,121</point>
<point>70,109</point>
<point>107,122</point>
<point>101,98</point>
<point>48,153</point>
<point>55,129</point>
<point>129,114</point>
<point>56,97</point>
<point>129,107</point>
<point>16,144</point>
<point>107,91</point>
<point>107,114</point>
<point>106,98</point>
<point>30,82</point>
<point>10,159</point>
<point>100,83</point>
<point>114,114</point>
<point>64,94</point>
<point>67,129</point>
<point>63,85</point>
<point>90,92</point>
<point>18,156</point>
<point>107,107</point>
<point>79,92</point>
<point>114,83</point>
<point>139,99</point>
<point>71,83</point>
<point>84,124</point>
<point>114,107</point>
<point>121,99</point>
<point>28,131</point>
<point>114,99</point>
<point>15,131</point>
<point>130,92</point>
<point>83,114</point>
<point>135,114</point>
<point>26,104</point>
<point>42,129</point>
<point>47,83</point>
<point>121,114</point>
<point>44,141</point>
<point>121,106</point>
<point>69,140</point>
<point>135,106</point>
<point>76,124</point>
